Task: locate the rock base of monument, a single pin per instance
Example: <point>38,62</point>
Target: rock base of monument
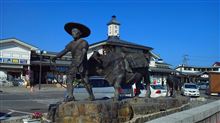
<point>108,111</point>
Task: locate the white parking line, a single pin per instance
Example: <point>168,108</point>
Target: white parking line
<point>13,111</point>
<point>22,112</point>
<point>5,116</point>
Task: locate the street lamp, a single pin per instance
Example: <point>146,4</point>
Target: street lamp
<point>40,52</point>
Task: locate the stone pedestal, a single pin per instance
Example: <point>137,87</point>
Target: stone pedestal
<point>108,111</point>
<point>102,111</point>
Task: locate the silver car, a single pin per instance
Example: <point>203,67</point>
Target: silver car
<point>190,89</point>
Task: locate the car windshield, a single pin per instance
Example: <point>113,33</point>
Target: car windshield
<point>203,83</point>
<point>190,86</point>
<point>157,87</point>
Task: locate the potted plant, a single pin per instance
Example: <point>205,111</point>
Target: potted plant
<point>36,117</point>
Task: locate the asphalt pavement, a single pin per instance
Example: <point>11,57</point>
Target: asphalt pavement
<point>16,89</point>
<point>20,101</point>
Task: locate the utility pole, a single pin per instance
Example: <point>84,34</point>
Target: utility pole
<point>185,59</point>
<point>40,52</point>
<point>185,63</point>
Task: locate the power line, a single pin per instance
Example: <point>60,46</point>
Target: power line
<point>200,59</point>
<point>205,57</point>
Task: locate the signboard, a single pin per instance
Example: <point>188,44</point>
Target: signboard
<point>7,60</point>
<point>61,68</point>
<point>205,76</point>
<point>23,61</point>
<point>15,61</point>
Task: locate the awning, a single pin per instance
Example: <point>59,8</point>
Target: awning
<point>48,63</point>
<point>11,66</point>
<point>161,70</point>
<point>195,74</point>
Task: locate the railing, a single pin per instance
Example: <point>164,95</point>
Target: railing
<point>208,113</point>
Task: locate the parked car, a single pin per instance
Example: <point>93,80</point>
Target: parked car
<point>203,85</point>
<point>101,88</point>
<point>190,89</point>
<point>143,90</point>
<point>6,83</point>
<point>157,91</point>
<point>126,90</point>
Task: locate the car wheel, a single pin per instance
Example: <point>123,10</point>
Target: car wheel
<point>105,98</point>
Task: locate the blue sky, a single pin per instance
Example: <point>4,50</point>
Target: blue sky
<point>173,28</point>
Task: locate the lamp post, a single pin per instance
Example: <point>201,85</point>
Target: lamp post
<point>40,52</point>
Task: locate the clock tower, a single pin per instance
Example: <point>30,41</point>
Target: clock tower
<point>113,27</point>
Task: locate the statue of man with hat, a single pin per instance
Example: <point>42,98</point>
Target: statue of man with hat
<point>78,68</point>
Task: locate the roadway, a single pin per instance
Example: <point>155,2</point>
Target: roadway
<point>18,101</point>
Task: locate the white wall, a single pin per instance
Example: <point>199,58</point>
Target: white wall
<point>15,51</point>
<point>90,52</point>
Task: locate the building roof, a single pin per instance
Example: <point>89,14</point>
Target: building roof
<point>114,40</point>
<point>50,63</point>
<point>31,47</point>
<point>197,66</point>
<point>216,64</point>
<point>163,70</point>
<point>163,63</point>
<point>113,21</point>
<point>193,74</point>
<point>53,54</point>
<point>154,55</point>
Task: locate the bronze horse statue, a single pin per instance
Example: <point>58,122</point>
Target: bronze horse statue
<point>173,85</point>
<point>120,68</point>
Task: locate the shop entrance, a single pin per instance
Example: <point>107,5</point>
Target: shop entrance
<point>12,75</point>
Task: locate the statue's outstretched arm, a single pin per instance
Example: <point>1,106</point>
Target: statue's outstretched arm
<point>62,53</point>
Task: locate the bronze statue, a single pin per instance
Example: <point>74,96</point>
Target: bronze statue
<point>113,67</point>
<point>173,85</point>
<point>78,68</point>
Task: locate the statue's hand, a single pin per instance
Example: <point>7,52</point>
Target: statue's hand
<point>54,59</point>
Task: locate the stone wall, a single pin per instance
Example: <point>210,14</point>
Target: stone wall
<point>106,111</point>
<point>109,111</point>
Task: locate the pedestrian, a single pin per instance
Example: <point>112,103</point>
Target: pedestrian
<point>31,80</point>
<point>64,79</point>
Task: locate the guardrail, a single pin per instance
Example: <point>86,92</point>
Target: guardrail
<point>208,113</point>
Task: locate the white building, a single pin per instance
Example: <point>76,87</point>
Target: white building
<point>196,73</point>
<point>15,57</point>
<point>159,69</point>
<point>196,69</point>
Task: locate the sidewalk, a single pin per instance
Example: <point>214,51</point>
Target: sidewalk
<point>18,89</point>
